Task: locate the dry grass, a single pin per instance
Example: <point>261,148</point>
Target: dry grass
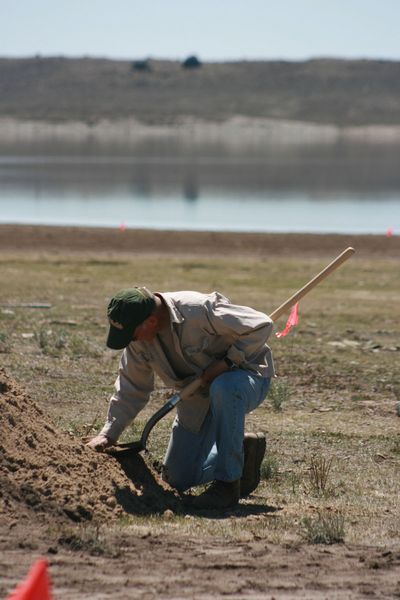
<point>325,529</point>
<point>319,474</point>
<point>334,445</point>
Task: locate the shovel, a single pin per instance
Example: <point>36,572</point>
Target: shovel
<point>140,445</point>
<point>194,385</point>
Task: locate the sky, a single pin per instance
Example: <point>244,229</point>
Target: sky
<point>213,30</point>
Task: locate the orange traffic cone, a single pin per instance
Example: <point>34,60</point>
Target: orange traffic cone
<point>36,586</point>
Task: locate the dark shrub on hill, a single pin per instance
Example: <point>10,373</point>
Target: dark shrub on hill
<point>192,62</point>
<point>140,65</point>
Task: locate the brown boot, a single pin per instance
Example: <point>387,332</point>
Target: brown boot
<point>219,495</point>
<point>254,445</point>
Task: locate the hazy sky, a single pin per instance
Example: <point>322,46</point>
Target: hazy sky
<point>211,29</point>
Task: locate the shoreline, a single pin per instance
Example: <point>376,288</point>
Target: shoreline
<point>234,134</point>
<point>58,240</point>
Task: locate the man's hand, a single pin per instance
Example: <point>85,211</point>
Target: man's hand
<point>212,371</point>
<point>99,442</point>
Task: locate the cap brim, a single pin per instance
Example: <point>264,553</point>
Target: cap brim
<point>118,338</point>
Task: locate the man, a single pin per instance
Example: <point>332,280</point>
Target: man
<point>180,336</point>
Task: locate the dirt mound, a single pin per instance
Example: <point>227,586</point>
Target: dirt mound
<point>57,476</point>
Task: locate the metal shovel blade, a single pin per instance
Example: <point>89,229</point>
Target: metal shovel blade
<point>133,447</point>
<point>140,445</point>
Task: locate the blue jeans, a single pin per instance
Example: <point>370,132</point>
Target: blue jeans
<point>216,451</point>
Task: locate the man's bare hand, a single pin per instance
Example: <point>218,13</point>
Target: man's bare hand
<point>99,443</point>
<point>212,371</point>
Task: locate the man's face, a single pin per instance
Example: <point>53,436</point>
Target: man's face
<point>146,331</point>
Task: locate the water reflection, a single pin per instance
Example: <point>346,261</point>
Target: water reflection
<point>335,189</point>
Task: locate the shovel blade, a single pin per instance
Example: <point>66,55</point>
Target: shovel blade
<point>132,447</point>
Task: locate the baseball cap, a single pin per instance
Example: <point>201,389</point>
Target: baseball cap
<point>126,310</point>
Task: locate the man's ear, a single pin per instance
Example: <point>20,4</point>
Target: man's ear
<point>152,320</point>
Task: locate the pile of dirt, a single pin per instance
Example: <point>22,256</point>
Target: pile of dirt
<point>54,475</point>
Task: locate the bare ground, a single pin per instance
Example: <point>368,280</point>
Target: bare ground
<point>51,482</point>
<point>59,240</point>
<point>61,501</point>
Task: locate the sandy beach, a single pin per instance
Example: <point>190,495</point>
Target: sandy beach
<point>62,240</point>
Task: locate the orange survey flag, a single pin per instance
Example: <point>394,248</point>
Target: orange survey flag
<point>291,322</point>
<point>36,586</point>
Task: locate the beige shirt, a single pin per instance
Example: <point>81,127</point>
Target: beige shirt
<point>204,327</point>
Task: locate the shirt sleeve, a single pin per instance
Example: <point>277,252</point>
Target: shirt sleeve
<point>132,390</point>
<point>248,328</point>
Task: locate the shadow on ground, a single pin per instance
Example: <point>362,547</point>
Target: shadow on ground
<point>242,510</point>
<point>155,495</point>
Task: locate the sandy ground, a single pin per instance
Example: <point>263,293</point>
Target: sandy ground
<point>59,240</point>
<point>51,484</point>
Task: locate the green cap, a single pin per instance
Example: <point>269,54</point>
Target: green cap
<point>126,310</point>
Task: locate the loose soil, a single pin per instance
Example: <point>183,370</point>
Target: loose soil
<point>60,500</point>
<point>57,476</point>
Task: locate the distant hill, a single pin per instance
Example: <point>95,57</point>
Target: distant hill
<point>340,92</point>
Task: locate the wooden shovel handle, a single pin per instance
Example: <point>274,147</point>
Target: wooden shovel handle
<point>345,255</point>
<point>194,385</point>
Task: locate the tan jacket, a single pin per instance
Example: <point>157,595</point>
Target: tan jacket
<point>205,327</point>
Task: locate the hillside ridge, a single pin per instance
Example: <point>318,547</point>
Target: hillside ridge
<point>323,91</point>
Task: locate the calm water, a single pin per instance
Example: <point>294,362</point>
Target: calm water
<point>285,194</point>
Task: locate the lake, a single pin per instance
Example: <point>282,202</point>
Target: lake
<point>332,193</point>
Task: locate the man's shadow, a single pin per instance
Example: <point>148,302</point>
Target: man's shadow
<point>154,496</point>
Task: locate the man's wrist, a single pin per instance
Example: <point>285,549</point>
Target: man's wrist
<point>229,363</point>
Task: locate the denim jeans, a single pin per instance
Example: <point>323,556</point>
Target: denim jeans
<point>216,451</point>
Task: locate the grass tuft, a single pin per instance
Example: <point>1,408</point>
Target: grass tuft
<point>58,343</point>
<point>87,538</point>
<point>5,343</point>
<point>279,393</point>
<point>320,469</point>
<point>325,529</point>
<point>51,343</point>
<point>269,467</point>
